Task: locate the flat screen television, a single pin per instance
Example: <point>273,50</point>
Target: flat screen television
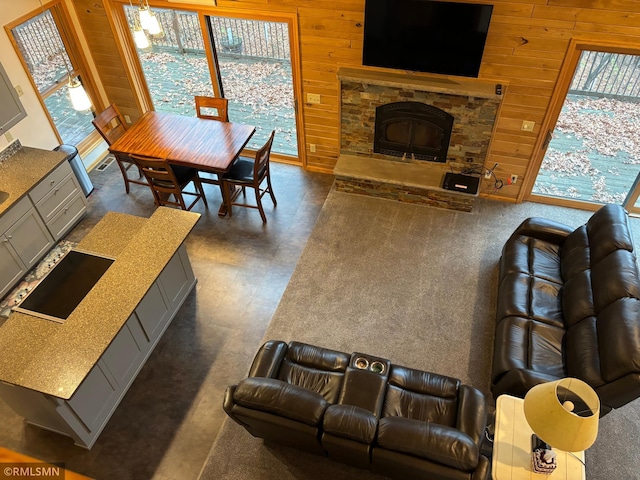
<point>426,36</point>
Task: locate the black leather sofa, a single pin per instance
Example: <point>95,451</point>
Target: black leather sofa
<point>364,411</point>
<point>568,305</point>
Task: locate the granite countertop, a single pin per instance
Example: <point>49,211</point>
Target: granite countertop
<point>23,170</point>
<point>54,358</point>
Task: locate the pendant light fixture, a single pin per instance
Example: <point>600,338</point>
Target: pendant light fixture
<point>79,98</point>
<point>144,12</point>
<point>139,37</point>
<point>154,25</point>
<point>77,94</point>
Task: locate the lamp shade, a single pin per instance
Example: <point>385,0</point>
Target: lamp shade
<point>563,413</point>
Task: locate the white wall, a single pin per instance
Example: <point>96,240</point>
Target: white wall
<point>35,130</point>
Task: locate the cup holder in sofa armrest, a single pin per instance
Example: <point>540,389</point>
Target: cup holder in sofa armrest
<point>349,421</point>
<point>438,443</point>
<point>378,365</point>
<point>281,398</point>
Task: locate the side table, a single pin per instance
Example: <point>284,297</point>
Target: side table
<point>512,448</point>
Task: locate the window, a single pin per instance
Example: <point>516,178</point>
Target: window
<point>47,55</point>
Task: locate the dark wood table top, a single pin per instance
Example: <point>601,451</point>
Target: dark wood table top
<point>204,144</point>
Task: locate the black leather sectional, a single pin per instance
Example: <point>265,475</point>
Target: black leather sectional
<point>364,411</point>
<point>569,306</point>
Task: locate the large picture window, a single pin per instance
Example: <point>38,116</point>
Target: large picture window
<point>47,54</point>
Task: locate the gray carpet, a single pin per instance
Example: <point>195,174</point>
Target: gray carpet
<point>416,285</point>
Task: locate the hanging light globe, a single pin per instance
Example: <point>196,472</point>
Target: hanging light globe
<point>154,25</point>
<point>79,98</point>
<point>145,16</point>
<point>139,37</point>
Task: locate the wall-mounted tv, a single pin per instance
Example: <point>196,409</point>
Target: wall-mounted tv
<point>426,36</point>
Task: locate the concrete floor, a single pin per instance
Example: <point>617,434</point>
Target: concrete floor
<point>167,422</point>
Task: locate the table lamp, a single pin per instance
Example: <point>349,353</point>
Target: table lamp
<point>563,414</point>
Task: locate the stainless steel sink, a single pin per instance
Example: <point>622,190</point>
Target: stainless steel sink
<point>3,197</point>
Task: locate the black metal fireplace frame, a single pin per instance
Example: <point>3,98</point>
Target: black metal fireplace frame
<point>416,113</point>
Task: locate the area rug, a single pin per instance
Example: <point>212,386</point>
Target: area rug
<point>416,285</point>
<point>32,278</point>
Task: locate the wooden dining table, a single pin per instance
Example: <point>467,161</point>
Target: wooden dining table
<point>207,145</point>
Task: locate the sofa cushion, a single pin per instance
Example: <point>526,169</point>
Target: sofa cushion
<point>350,422</point>
<point>524,344</point>
<point>423,396</point>
<point>317,369</point>
<point>280,398</point>
<point>530,281</point>
<point>434,442</point>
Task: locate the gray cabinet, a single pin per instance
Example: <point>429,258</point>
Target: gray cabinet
<point>12,268</point>
<point>30,238</point>
<point>25,239</point>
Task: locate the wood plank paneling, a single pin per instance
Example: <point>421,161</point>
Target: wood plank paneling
<point>526,45</point>
<point>106,56</point>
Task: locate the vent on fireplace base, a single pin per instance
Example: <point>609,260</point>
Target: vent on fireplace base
<point>413,129</point>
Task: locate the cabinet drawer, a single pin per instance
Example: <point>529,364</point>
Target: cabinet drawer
<point>48,206</point>
<point>49,182</point>
<point>67,216</point>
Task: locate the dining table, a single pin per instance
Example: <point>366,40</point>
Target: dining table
<point>204,144</point>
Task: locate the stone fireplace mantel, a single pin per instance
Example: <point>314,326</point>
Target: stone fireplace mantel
<point>472,87</point>
<point>473,104</point>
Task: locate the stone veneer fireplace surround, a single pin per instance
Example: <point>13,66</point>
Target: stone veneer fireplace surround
<point>472,102</point>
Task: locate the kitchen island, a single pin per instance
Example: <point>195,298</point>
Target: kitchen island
<point>69,377</point>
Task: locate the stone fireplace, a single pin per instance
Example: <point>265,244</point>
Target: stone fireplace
<point>429,126</point>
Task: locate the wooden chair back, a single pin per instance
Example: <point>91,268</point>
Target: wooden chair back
<point>110,124</point>
<point>164,182</point>
<point>261,164</point>
<point>220,104</point>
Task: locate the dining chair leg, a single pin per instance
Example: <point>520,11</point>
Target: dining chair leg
<point>273,197</point>
<point>259,202</point>
<point>226,197</point>
<point>180,200</point>
<point>201,190</point>
<point>124,175</point>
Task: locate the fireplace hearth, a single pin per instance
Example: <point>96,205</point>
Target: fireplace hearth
<point>413,130</point>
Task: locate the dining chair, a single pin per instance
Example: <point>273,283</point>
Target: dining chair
<point>166,180</point>
<point>111,126</point>
<point>250,173</point>
<point>220,104</point>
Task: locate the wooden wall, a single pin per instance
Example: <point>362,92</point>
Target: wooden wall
<point>107,56</point>
<point>526,45</point>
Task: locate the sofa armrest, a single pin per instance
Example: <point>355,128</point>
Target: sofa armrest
<point>267,361</point>
<point>438,443</point>
<point>619,392</point>
<point>351,422</point>
<point>518,382</point>
<point>543,229</point>
<point>472,413</point>
<point>281,398</point>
